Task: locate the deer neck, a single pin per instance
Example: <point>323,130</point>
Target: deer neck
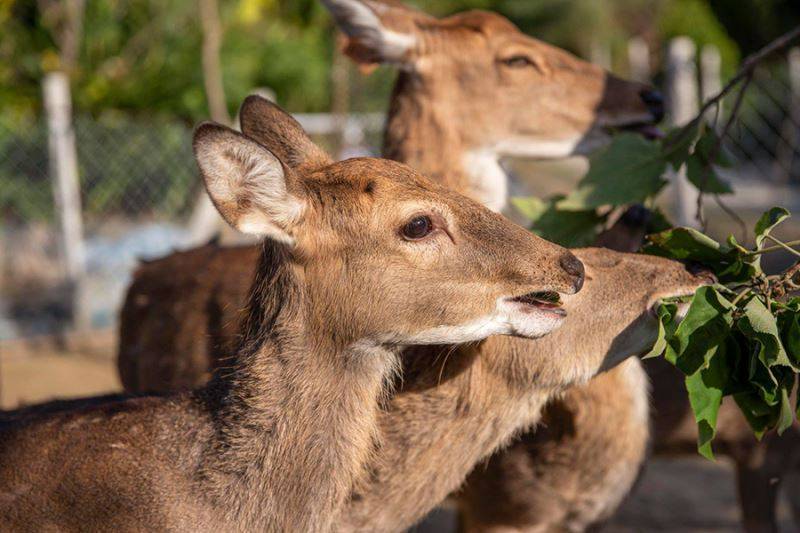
<point>440,423</point>
<point>421,132</point>
<point>297,413</point>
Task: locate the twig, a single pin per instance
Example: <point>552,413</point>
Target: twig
<point>746,70</point>
<point>731,213</point>
<point>781,246</point>
<point>715,150</point>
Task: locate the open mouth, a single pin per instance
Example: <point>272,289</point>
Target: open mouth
<point>549,301</point>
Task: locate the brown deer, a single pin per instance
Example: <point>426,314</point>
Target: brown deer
<point>453,113</point>
<point>360,258</point>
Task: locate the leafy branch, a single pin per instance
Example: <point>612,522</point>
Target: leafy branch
<point>740,338</point>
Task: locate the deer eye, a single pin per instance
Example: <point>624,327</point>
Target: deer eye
<point>517,62</point>
<point>417,228</point>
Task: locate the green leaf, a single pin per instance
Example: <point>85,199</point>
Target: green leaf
<point>531,207</point>
<point>627,171</point>
<point>686,243</point>
<point>767,223</point>
<point>666,328</point>
<point>706,325</point>
<point>759,324</point>
<point>707,143</point>
<point>789,326</point>
<point>678,143</point>
<point>730,262</point>
<point>704,176</point>
<point>567,228</point>
<point>759,415</point>
<point>705,388</point>
<point>786,416</point>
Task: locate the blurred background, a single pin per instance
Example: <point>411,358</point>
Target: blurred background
<point>98,99</point>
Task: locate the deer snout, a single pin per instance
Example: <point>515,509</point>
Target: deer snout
<point>574,269</point>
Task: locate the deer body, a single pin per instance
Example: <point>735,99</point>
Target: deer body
<point>278,440</point>
<point>433,127</point>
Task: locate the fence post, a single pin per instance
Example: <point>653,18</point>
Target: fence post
<point>710,77</point>
<point>639,60</point>
<point>63,167</point>
<point>786,150</point>
<point>600,54</point>
<point>682,106</point>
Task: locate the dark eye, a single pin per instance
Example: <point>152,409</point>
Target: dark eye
<point>517,62</point>
<point>417,228</point>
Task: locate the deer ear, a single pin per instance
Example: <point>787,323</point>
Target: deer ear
<point>377,32</point>
<point>275,129</point>
<point>247,183</point>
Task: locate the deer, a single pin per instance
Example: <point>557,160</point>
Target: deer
<point>359,259</point>
<point>513,104</point>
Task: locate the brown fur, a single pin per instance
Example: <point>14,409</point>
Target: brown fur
<point>443,420</point>
<point>279,437</point>
<point>428,110</point>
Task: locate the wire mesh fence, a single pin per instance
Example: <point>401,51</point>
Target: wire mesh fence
<point>139,187</point>
<point>766,136</point>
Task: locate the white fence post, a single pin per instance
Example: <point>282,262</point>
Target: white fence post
<point>639,60</point>
<point>63,165</point>
<point>710,77</point>
<point>785,154</point>
<point>682,106</point>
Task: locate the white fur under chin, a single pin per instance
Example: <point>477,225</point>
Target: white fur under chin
<point>509,318</point>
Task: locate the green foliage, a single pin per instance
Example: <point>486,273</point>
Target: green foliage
<point>740,338</point>
<point>698,21</point>
<point>570,228</point>
<point>629,170</point>
<point>144,56</point>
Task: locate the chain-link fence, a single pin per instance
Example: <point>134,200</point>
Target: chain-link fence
<point>766,137</point>
<point>139,188</point>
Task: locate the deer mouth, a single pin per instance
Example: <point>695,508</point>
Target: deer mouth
<point>549,301</point>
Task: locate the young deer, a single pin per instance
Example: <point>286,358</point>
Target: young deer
<point>453,114</point>
<point>361,257</point>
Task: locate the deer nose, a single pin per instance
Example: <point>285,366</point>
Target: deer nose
<point>654,102</point>
<point>574,268</point>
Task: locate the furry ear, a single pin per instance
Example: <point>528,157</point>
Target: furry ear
<point>247,183</point>
<point>275,129</point>
<point>377,32</point>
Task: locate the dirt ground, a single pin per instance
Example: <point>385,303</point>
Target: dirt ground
<point>688,495</point>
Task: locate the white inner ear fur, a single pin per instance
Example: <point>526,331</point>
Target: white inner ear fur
<point>359,21</point>
<point>247,183</point>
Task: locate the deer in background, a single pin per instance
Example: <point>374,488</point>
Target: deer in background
<point>517,96</point>
<point>360,258</point>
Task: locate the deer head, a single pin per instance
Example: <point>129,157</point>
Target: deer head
<point>506,93</point>
<point>383,254</point>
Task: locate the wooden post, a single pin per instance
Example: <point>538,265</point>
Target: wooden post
<point>639,60</point>
<point>710,77</point>
<point>340,99</point>
<point>787,150</point>
<point>682,106</point>
<point>600,54</point>
<point>63,165</point>
<point>204,221</point>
